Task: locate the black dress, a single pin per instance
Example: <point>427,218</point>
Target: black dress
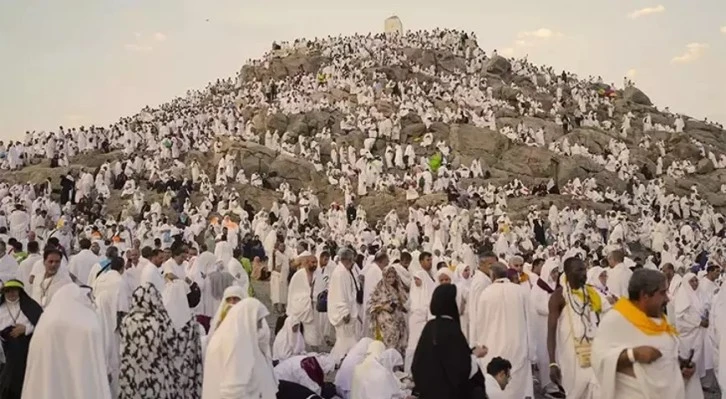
<point>290,390</point>
<point>16,350</point>
<point>442,361</point>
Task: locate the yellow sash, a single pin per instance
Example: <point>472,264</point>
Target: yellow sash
<point>595,301</point>
<point>641,321</point>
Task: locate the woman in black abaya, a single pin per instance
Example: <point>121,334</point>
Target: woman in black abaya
<point>19,315</point>
<point>444,366</point>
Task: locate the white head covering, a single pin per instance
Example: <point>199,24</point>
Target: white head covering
<point>238,357</point>
<point>374,377</point>
<point>686,297</point>
<point>288,343</point>
<point>546,273</point>
<point>460,273</point>
<point>390,358</point>
<point>233,291</point>
<point>69,333</point>
<point>326,362</point>
<point>462,284</point>
<point>444,271</point>
<point>421,296</point>
<point>176,303</point>
<point>593,276</point>
<point>344,377</point>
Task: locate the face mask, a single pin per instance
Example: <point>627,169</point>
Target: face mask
<point>263,337</point>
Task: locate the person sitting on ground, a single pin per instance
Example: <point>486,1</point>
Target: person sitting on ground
<point>497,377</point>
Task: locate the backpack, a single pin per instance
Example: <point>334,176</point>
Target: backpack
<point>194,296</point>
<point>322,305</point>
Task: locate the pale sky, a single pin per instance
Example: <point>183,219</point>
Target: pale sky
<point>83,62</point>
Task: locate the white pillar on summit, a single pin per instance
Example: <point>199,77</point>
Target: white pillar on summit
<point>393,25</point>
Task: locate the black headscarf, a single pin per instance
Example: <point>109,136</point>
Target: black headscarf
<point>443,302</point>
<point>442,361</point>
<point>16,349</point>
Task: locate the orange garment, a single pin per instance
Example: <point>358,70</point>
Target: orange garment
<point>641,321</point>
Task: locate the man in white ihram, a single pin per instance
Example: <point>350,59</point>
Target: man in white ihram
<point>343,307</point>
<point>502,326</point>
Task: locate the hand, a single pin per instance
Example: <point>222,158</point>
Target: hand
<point>688,372</point>
<point>188,280</point>
<point>346,319</point>
<point>704,323</point>
<point>480,351</point>
<point>18,330</point>
<point>612,299</point>
<point>646,354</point>
<point>555,374</point>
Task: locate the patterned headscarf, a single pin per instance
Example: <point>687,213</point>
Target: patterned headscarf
<point>386,293</point>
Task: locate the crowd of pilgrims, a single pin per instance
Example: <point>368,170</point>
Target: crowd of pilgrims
<point>451,302</point>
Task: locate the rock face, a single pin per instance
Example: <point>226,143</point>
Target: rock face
<point>475,142</point>
<point>704,167</point>
<point>502,159</point>
<point>635,95</point>
<point>498,65</point>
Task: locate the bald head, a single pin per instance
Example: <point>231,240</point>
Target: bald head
<point>498,270</point>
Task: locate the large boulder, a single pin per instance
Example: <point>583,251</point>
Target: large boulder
<point>423,57</point>
<point>577,166</point>
<point>276,123</point>
<point>636,96</point>
<point>529,161</point>
<point>410,119</point>
<point>296,171</point>
<point>551,129</point>
<point>451,63</point>
<point>254,158</point>
<point>477,142</point>
<point>692,124</point>
<point>704,166</point>
<point>283,66</point>
<point>298,125</point>
<point>709,138</point>
<point>498,65</point>
<point>413,132</point>
<point>595,141</point>
<point>682,148</point>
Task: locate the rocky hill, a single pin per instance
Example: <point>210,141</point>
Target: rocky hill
<point>502,158</point>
